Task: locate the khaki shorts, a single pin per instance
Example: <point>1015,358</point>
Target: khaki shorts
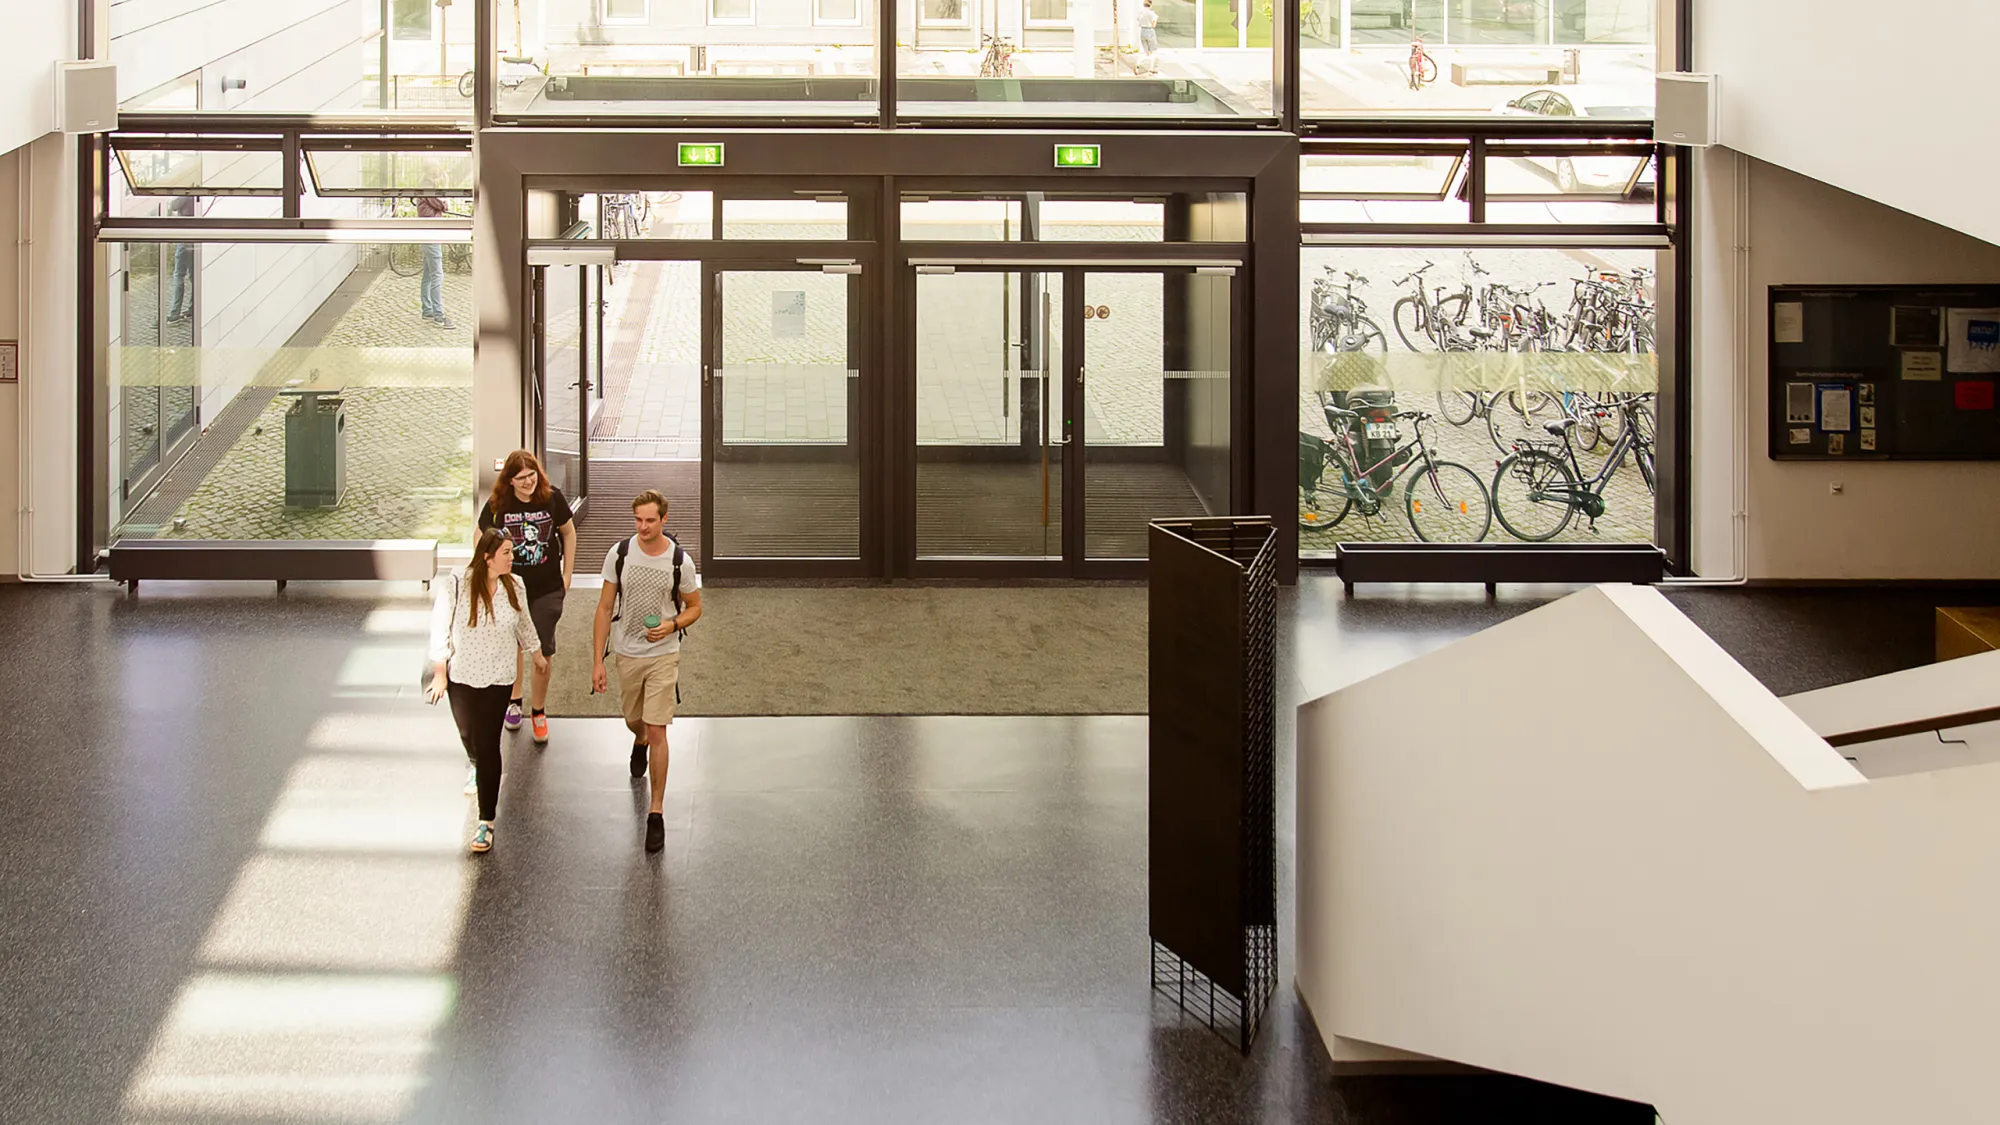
<point>646,689</point>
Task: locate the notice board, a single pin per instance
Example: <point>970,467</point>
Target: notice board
<point>1884,372</point>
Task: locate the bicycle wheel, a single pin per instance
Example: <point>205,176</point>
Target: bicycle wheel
<point>1323,507</point>
<point>1589,421</point>
<point>458,258</point>
<point>1509,425</point>
<point>1367,336</point>
<point>1531,495</point>
<point>1447,504</point>
<point>1413,326</point>
<point>1458,407</point>
<point>406,259</point>
<point>466,82</point>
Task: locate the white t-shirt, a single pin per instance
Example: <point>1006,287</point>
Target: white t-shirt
<point>647,588</point>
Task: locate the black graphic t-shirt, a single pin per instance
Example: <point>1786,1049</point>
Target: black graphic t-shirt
<point>537,546</point>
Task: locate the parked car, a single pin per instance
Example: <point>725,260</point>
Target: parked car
<point>1587,173</point>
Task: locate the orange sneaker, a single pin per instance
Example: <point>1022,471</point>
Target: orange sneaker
<point>540,722</point>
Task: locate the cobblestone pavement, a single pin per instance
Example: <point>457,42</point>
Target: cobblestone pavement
<point>409,448</point>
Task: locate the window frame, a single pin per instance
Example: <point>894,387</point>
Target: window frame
<point>962,20</point>
<point>1067,21</point>
<point>821,19</point>
<point>732,21</point>
<point>397,32</point>
<point>606,19</point>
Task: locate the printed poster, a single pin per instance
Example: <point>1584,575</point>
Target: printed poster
<point>1916,326</point>
<point>1788,322</point>
<point>1801,435</point>
<point>1836,408</point>
<point>1973,342</point>
<point>1924,366</point>
<point>1836,444</point>
<point>1799,403</point>
<point>1868,441</point>
<point>1867,417</point>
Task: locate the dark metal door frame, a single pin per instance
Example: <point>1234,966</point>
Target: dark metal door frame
<point>864,434</point>
<point>1072,267</point>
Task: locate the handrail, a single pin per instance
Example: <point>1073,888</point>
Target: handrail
<point>1913,726</point>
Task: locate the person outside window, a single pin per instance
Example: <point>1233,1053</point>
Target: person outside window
<point>641,620</point>
<point>1149,36</point>
<point>431,296</point>
<point>474,639</point>
<point>537,520</point>
<point>180,292</point>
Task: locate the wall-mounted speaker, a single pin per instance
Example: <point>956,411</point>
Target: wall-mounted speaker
<point>86,97</point>
<point>1685,110</point>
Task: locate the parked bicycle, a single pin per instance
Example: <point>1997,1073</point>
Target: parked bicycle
<point>622,215</point>
<point>1430,320</point>
<point>998,59</point>
<point>1423,68</point>
<point>1538,490</point>
<point>1339,320</point>
<point>1445,501</point>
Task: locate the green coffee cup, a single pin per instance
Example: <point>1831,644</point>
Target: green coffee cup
<point>652,621</point>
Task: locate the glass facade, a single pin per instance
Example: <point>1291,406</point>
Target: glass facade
<point>273,391</point>
<point>1435,57</point>
<point>720,58</point>
<point>1086,59</point>
<point>1494,346</point>
<point>295,56</point>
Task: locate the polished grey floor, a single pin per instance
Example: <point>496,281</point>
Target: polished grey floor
<point>231,854</point>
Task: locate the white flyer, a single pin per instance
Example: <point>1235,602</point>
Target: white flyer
<point>1836,413</point>
<point>1788,322</point>
<point>1972,341</point>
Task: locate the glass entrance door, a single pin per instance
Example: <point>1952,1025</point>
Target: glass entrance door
<point>991,429</point>
<point>783,425</point>
<point>568,384</point>
<point>1155,407</point>
<point>1059,409</point>
<point>159,369</point>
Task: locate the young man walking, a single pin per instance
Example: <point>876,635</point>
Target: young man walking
<point>651,593</point>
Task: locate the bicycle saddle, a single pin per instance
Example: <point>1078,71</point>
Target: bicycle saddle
<point>1559,426</point>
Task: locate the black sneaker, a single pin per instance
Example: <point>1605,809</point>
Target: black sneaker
<point>656,832</point>
<point>639,760</point>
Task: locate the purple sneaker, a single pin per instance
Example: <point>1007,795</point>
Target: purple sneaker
<point>514,715</point>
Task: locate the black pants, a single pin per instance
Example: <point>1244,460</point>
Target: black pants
<point>481,713</point>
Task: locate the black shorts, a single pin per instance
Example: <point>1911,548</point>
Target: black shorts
<point>545,610</point>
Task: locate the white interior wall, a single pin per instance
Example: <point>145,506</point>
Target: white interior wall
<point>1892,102</point>
<point>39,34</point>
<point>48,364</point>
<point>13,264</point>
<point>1677,893</point>
<point>1894,520</point>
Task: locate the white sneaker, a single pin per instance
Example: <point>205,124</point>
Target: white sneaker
<point>471,781</point>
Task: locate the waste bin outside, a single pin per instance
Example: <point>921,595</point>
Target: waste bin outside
<point>315,451</point>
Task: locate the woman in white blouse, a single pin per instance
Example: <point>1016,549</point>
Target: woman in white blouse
<point>474,638</point>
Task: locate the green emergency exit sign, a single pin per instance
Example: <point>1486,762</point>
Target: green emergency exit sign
<point>701,156</point>
<point>1078,156</point>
